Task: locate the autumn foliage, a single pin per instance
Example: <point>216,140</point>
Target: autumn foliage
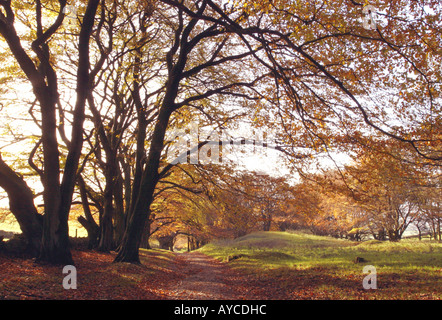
<point>94,92</point>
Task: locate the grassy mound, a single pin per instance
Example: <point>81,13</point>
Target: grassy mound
<point>409,269</point>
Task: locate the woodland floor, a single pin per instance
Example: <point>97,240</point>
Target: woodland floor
<point>162,276</point>
<point>248,274</point>
<point>204,278</point>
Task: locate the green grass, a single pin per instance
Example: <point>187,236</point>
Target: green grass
<point>409,269</point>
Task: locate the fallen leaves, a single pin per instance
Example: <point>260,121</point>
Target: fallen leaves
<point>165,275</point>
<point>98,278</point>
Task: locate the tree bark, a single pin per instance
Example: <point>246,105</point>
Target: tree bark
<point>88,222</point>
<point>145,195</point>
<point>106,227</point>
<point>92,231</point>
<point>119,217</point>
<point>57,197</point>
<point>21,204</point>
<point>55,242</point>
<point>146,236</point>
<point>138,217</point>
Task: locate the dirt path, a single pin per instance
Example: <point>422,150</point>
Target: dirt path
<point>204,278</point>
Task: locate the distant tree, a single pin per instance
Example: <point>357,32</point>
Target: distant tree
<point>387,189</point>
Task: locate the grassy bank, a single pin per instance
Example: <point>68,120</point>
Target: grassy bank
<point>297,265</point>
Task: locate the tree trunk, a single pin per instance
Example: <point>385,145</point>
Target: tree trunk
<point>55,242</point>
<point>146,236</point>
<point>57,197</point>
<point>21,204</point>
<point>144,197</point>
<point>419,233</point>
<point>267,221</point>
<point>119,217</point>
<point>140,214</point>
<point>132,238</point>
<point>106,227</point>
<point>92,228</point>
<point>438,231</point>
<point>93,231</point>
<point>55,237</point>
<point>394,235</point>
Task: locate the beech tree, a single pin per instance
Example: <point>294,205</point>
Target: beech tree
<point>189,36</point>
<point>42,74</point>
<point>388,194</point>
<point>296,45</point>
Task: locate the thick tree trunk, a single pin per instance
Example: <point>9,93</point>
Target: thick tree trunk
<point>21,204</point>
<point>57,197</point>
<point>55,239</point>
<point>55,247</point>
<point>131,241</point>
<point>44,83</point>
<point>143,198</point>
<point>106,231</point>
<point>55,242</point>
<point>267,224</point>
<point>132,238</point>
<point>139,216</point>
